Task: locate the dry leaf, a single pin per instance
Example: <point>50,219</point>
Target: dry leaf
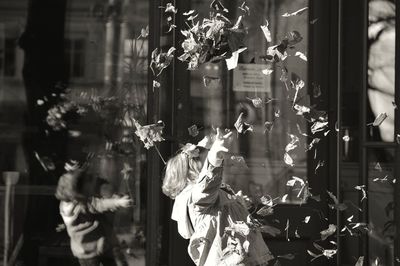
<point>296,13</point>
<point>193,130</point>
<point>288,160</point>
<point>268,126</point>
<point>328,232</point>
<point>257,102</point>
<point>360,261</point>
<point>301,56</point>
<point>379,120</point>
<point>241,126</point>
<point>362,189</point>
<point>266,31</point>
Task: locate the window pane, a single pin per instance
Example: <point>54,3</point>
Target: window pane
<point>381,73</point>
<point>219,96</point>
<point>72,105</point>
<point>381,182</point>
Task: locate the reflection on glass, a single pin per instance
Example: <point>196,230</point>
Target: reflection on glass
<point>381,60</point>
<point>220,96</point>
<point>381,182</point>
<point>102,69</point>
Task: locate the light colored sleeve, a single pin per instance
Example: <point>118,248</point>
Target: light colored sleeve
<point>100,205</point>
<point>206,191</point>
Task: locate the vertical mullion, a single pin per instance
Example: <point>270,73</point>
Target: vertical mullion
<point>153,169</point>
<point>339,121</point>
<point>397,131</point>
<point>363,160</point>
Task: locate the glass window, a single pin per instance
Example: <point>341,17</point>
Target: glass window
<point>219,97</point>
<point>84,83</point>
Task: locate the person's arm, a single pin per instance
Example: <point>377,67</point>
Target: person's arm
<point>205,192</point>
<point>99,205</point>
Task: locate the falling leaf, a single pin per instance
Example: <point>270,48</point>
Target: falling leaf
<point>277,113</point>
<point>217,5</point>
<point>336,205</point>
<point>126,171</point>
<point>284,197</point>
<point>244,8</point>
<point>193,130</point>
<point>288,160</point>
<point>301,56</point>
<point>298,85</point>
<point>292,182</point>
<point>328,232</point>
<point>257,102</point>
<point>149,134</point>
<point>307,219</point>
<point>39,102</point>
<point>312,22</point>
<point>296,13</point>
<point>318,126</point>
<point>241,126</point>
<point>385,178</point>
<point>293,143</point>
<point>231,63</point>
<point>156,84</point>
<point>238,227</point>
<point>266,31</point>
<point>267,201</point>
<point>287,256</point>
<point>360,261</point>
<point>312,254</point>
<point>60,228</point>
<point>379,120</point>
<point>74,133</point>
<point>239,161</point>
<point>313,143</point>
<point>267,71</point>
<point>144,32</point>
<point>350,218</point>
<point>287,230</point>
<point>71,165</point>
<point>319,165</point>
<point>46,162</point>
<point>362,189</point>
<point>301,109</point>
<point>329,253</point>
<point>170,8</point>
<point>296,234</point>
<point>171,28</point>
<point>346,138</point>
<point>190,12</point>
<point>160,61</point>
<point>268,125</point>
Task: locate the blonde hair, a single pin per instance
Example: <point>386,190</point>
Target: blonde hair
<point>179,171</point>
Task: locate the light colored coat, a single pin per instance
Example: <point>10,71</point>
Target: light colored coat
<point>203,210</point>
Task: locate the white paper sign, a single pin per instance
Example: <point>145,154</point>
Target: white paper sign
<point>249,77</point>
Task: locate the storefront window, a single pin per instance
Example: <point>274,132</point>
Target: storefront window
<point>218,97</point>
<point>74,80</point>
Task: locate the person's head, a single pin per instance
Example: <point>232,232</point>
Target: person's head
<point>69,186</point>
<point>75,185</point>
<point>182,169</point>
